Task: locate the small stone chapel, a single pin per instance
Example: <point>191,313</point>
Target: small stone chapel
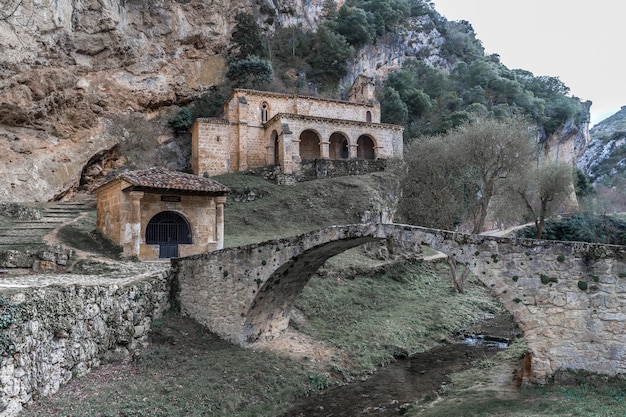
<point>157,213</point>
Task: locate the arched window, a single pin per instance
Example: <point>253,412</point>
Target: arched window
<point>168,229</point>
<point>265,111</point>
<point>365,148</point>
<point>368,116</point>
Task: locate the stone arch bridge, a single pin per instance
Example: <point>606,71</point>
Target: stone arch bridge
<point>568,298</point>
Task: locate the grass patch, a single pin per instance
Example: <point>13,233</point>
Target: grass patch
<point>405,309</point>
<point>477,392</point>
<point>187,372</point>
<point>586,397</point>
<point>81,234</point>
<point>281,211</point>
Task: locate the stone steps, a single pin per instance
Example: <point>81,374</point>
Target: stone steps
<point>23,247</point>
<point>28,234</point>
<point>29,231</point>
<point>20,240</point>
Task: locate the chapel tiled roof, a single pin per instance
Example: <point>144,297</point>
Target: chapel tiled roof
<point>164,179</point>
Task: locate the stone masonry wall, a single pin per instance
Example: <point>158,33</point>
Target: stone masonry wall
<point>569,298</point>
<point>50,334</point>
<point>200,213</point>
<point>210,150</point>
<point>307,106</point>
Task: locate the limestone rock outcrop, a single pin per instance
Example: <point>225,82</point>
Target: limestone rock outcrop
<point>605,158</point>
<point>66,67</point>
<point>568,144</point>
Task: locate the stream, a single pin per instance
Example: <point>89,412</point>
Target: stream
<point>396,386</point>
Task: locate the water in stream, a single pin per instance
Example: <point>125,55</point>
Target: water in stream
<point>394,387</point>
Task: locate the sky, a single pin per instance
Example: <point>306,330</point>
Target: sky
<point>580,42</point>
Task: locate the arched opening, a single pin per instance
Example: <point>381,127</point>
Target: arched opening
<point>368,116</point>
<point>365,148</point>
<point>338,146</point>
<point>168,229</point>
<point>273,151</point>
<point>276,149</point>
<point>269,312</point>
<point>265,111</point>
<point>309,145</point>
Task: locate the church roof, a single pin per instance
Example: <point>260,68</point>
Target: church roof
<point>164,179</point>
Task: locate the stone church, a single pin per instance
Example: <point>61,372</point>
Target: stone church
<point>262,128</point>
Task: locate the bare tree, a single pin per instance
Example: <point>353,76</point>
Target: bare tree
<point>492,150</point>
<point>536,193</point>
<point>452,179</point>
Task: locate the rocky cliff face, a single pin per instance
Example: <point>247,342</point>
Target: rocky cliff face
<point>605,158</point>
<point>70,68</point>
<point>568,144</point>
<point>420,38</point>
<point>67,66</point>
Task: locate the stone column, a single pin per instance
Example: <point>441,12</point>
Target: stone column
<point>219,221</point>
<point>243,146</point>
<point>324,149</point>
<point>352,150</point>
<point>291,151</point>
<point>135,221</point>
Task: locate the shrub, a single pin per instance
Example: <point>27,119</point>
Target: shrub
<point>182,121</point>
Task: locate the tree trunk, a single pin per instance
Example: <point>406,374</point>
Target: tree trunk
<point>459,281</point>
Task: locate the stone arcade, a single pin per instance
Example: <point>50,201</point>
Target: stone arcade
<point>263,128</point>
<point>157,213</point>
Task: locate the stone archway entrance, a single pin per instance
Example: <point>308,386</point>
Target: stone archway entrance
<point>168,229</point>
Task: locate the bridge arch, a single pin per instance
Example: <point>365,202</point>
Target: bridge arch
<point>567,297</point>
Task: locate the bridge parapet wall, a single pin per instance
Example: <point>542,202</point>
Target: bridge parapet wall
<point>568,298</point>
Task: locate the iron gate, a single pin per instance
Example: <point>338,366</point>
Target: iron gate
<point>168,229</point>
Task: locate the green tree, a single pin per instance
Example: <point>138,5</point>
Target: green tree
<point>461,41</point>
<point>492,150</point>
<point>387,14</point>
<point>247,37</point>
<point>329,57</point>
<point>392,109</point>
<point>181,121</point>
<point>434,190</point>
<point>452,180</point>
<point>354,25</point>
<point>250,72</point>
<point>536,193</point>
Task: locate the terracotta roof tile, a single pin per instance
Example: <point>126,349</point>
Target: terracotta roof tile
<point>162,178</point>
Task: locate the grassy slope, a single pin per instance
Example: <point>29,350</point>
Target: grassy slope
<point>399,308</point>
<point>281,211</point>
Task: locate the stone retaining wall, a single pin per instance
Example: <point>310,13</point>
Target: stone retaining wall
<point>49,335</point>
